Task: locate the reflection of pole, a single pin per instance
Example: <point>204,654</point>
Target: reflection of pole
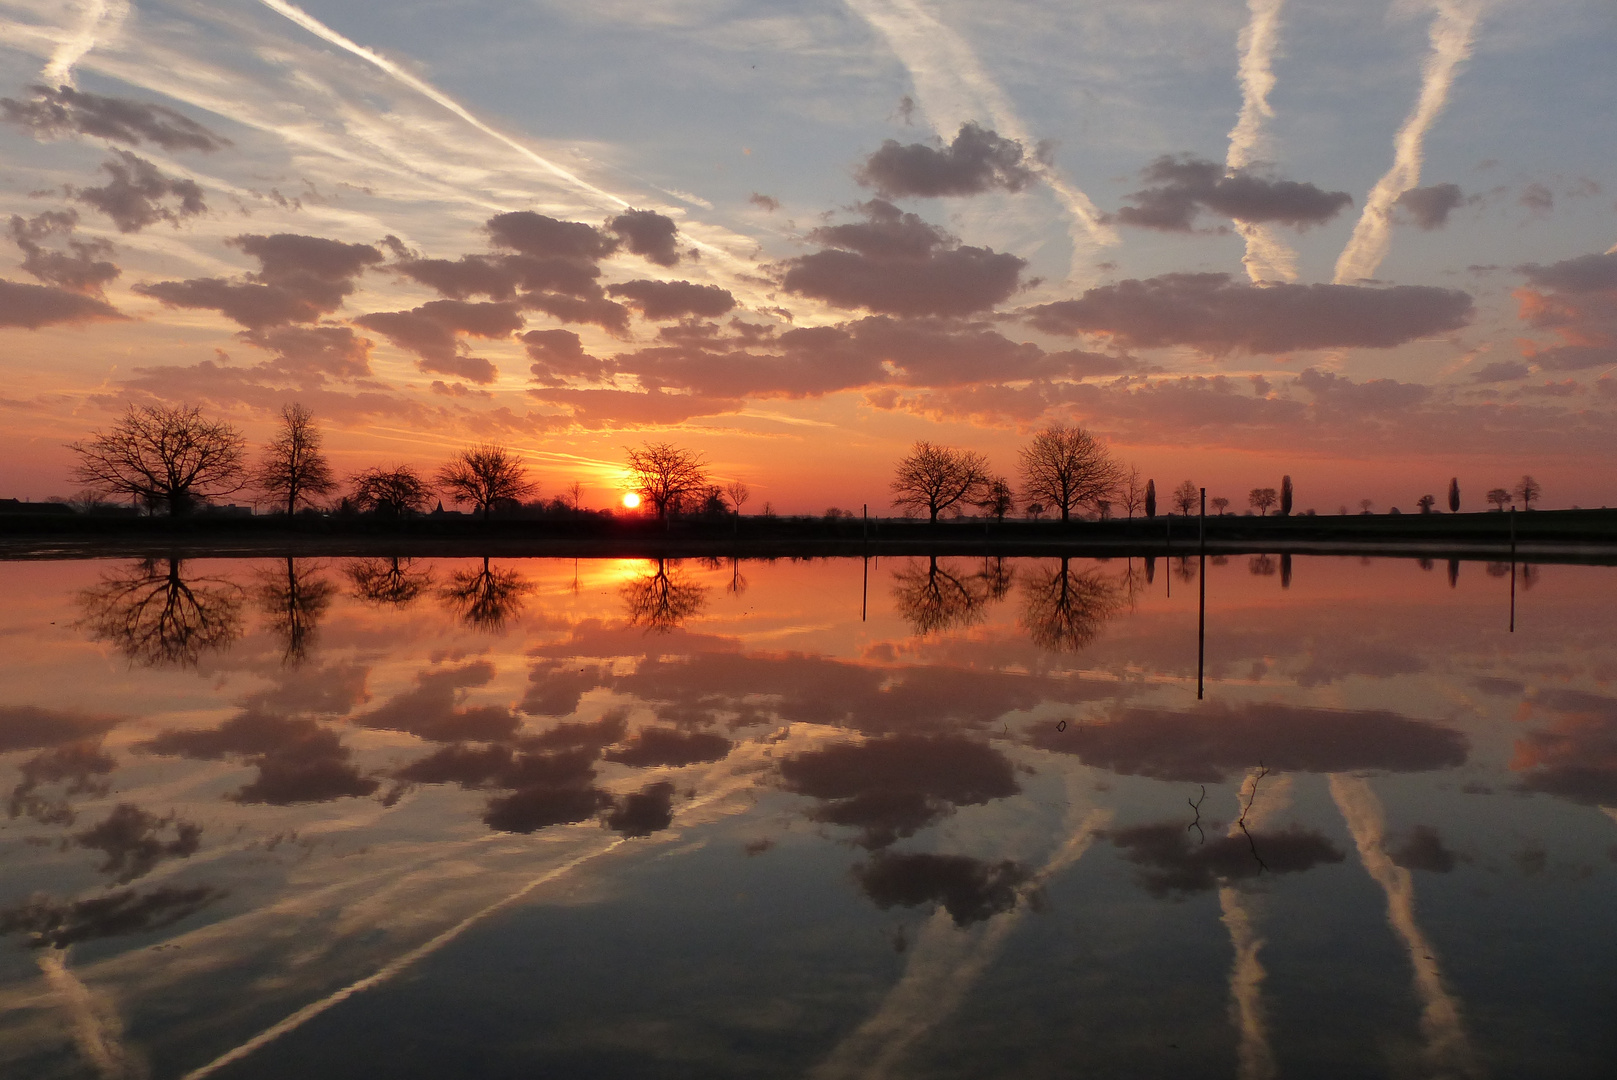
<point>1513,569</point>
<point>864,592</point>
<point>1201,623</point>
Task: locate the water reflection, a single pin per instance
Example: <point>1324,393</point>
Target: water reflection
<point>1063,607</point>
<point>662,597</point>
<point>159,617</point>
<point>295,598</point>
<point>390,582</point>
<point>935,596</point>
<point>486,598</point>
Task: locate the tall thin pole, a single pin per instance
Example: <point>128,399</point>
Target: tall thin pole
<point>1201,628</point>
<point>864,592</point>
<point>1513,569</point>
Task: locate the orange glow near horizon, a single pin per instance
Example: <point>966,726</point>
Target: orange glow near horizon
<point>631,501</point>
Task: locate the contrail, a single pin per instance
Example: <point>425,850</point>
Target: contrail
<point>1448,1048</point>
<point>1254,1056</point>
<point>1268,258</point>
<point>954,88</point>
<point>1453,31</point>
<point>59,70</point>
<point>96,1028</point>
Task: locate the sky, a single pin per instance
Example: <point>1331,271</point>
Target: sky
<point>1372,246</point>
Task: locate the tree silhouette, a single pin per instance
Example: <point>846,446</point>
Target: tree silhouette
<point>485,598</point>
<point>164,455</point>
<point>1454,495</point>
<point>997,499</point>
<point>293,467</point>
<point>1365,505</point>
<point>1035,510</point>
<point>1426,502</point>
<point>933,598</point>
<point>1285,496</point>
<point>484,476</point>
<point>389,492</point>
<point>1131,492</point>
<point>158,618</point>
<point>387,581</point>
<point>1260,499</point>
<point>1063,609</point>
<point>1150,498</point>
<point>294,600</point>
<point>1066,467</point>
<point>738,494</point>
<point>662,599</point>
<point>1186,497</point>
<point>1261,566</point>
<point>1528,491</point>
<point>666,476</point>
<point>1220,504</point>
<point>934,478</point>
<point>997,575</point>
<point>1499,497</point>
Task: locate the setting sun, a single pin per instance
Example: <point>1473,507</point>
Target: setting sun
<point>631,501</point>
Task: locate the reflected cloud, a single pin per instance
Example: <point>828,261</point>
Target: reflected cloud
<point>1063,609</point>
<point>79,766</point>
<point>970,890</point>
<point>1575,757</point>
<point>1170,864</point>
<point>298,760</point>
<point>644,812</point>
<point>390,582</point>
<point>60,923</point>
<point>158,617</point>
<point>663,598</point>
<point>295,600</point>
<point>486,598</point>
<point>131,839</point>
<point>434,709</point>
<point>658,746</point>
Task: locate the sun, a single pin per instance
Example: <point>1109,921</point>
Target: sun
<point>631,501</point>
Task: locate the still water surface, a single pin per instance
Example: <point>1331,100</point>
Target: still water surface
<point>963,818</point>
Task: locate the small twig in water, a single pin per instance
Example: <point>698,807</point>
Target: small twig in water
<point>1251,797</point>
<point>1197,824</point>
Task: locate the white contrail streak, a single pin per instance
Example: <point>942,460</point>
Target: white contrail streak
<point>954,88</point>
<point>1453,31</point>
<point>1268,258</point>
<point>96,1027</point>
<point>109,13</point>
<point>1448,1048</point>
<point>321,30</point>
<point>1254,1057</point>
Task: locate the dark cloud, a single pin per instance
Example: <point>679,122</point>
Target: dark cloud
<point>79,767</point>
<point>648,234</point>
<point>59,924</point>
<point>1340,394</point>
<point>298,759</point>
<point>134,198</point>
<point>605,730</point>
<point>1429,207</point>
<point>430,332</point>
<point>558,355</point>
<point>1581,274</point>
<point>546,237</point>
<point>1170,863</point>
<point>132,841</point>
<point>978,160</point>
<point>609,315</point>
<point>1501,371</point>
<point>1422,849</point>
<point>33,727</point>
<point>595,409</point>
<point>970,890</point>
<point>503,277</point>
<point>84,271</point>
<point>1219,315</point>
<point>539,807</point>
<point>66,111</point>
<point>300,279</point>
<point>1207,744</point>
<point>433,710</point>
<point>1576,299</point>
<point>1575,756</point>
<point>34,306</point>
<point>309,352</point>
<point>892,787</point>
<point>660,746</point>
<point>658,300</point>
<point>1185,185</point>
<point>644,812</point>
<point>764,202</point>
<point>896,264</point>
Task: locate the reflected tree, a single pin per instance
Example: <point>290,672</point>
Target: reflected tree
<point>998,575</point>
<point>158,617</point>
<point>486,598</point>
<point>1063,608</point>
<point>934,597</point>
<point>738,584</point>
<point>392,582</point>
<point>1183,568</point>
<point>663,598</point>
<point>295,600</point>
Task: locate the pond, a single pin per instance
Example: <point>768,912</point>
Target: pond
<point>829,818</point>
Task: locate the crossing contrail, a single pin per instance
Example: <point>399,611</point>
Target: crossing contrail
<point>1268,258</point>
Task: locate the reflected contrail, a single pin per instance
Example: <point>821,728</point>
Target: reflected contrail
<point>1268,258</point>
<point>1453,31</point>
<point>1255,1058</point>
<point>1448,1048</point>
<point>59,70</point>
<point>96,1028</point>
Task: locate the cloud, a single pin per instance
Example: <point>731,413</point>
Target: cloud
<point>34,727</point>
<point>59,924</point>
<point>84,271</point>
<point>978,160</point>
<point>433,710</point>
<point>1186,185</point>
<point>134,197</point>
<point>1575,756</point>
<point>1580,275</point>
<point>34,306</point>
<point>767,203</point>
<point>430,332</point>
<point>1422,849</point>
<point>670,747</point>
<point>309,352</point>
<point>558,355</point>
<point>1218,316</point>
<point>1339,394</point>
<point>1169,863</point>
<point>131,839</point>
<point>594,409</point>
<point>1501,371</point>
<point>502,277</point>
<point>1537,198</point>
<point>75,766</point>
<point>66,111</point>
<point>659,300</point>
<point>648,234</point>
<point>1576,299</point>
<point>1429,207</point>
<point>970,890</point>
<point>1207,744</point>
<point>298,760</point>
<point>896,264</point>
<point>644,812</point>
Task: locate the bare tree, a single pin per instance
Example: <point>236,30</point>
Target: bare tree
<point>293,468</point>
<point>486,598</point>
<point>1186,496</point>
<point>1035,510</point>
<point>1220,504</point>
<point>485,475</point>
<point>159,617</point>
<point>663,598</point>
<point>1499,497</point>
<point>934,597</point>
<point>1131,492</point>
<point>1064,607</point>
<point>1528,491</point>
<point>1066,467</point>
<point>998,499</point>
<point>295,601</point>
<point>1365,505</point>
<point>1426,502</point>
<point>387,581</point>
<point>1261,499</point>
<point>934,478</point>
<point>164,455</point>
<point>1454,495</point>
<point>738,493</point>
<point>666,476</point>
<point>392,492</point>
<point>575,495</point>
